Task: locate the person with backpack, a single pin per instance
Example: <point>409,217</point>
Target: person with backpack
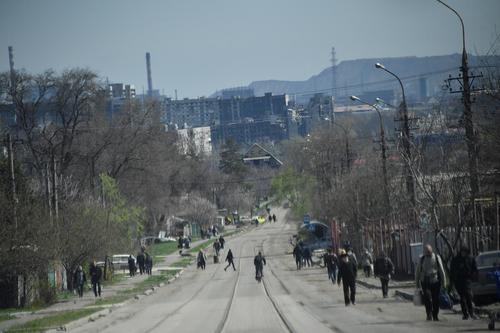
<point>430,278</point>
<point>463,270</point>
<point>348,272</point>
<point>79,280</point>
<point>230,259</point>
<point>384,269</point>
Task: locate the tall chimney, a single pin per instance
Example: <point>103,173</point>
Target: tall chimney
<point>148,68</point>
<point>11,64</point>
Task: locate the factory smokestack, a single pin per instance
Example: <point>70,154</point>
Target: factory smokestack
<point>11,64</point>
<point>150,80</point>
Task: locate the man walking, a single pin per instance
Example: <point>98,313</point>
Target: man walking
<point>95,278</point>
<point>384,268</point>
<point>217,247</point>
<point>131,265</point>
<point>274,218</point>
<point>259,261</point>
<point>222,241</point>
<point>347,274</point>
<point>230,259</point>
<point>367,261</point>
<point>141,262</point>
<point>79,280</point>
<point>330,261</point>
<point>430,278</point>
<point>463,271</point>
<point>297,254</point>
<point>201,260</point>
<point>149,264</point>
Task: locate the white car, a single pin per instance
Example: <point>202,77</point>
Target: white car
<point>120,261</point>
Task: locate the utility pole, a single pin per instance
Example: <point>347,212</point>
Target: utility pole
<point>54,187</point>
<point>466,80</point>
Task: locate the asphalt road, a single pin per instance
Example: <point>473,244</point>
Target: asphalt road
<point>286,300</point>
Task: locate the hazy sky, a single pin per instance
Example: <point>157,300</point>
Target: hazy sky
<point>203,45</point>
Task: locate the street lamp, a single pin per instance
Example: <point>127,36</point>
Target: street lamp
<point>406,135</point>
<point>383,150</point>
<point>468,124</point>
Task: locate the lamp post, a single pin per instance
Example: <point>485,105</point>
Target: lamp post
<point>406,136</point>
<point>468,124</point>
<point>347,148</point>
<point>383,151</point>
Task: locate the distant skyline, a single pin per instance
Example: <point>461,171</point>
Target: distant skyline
<point>200,46</point>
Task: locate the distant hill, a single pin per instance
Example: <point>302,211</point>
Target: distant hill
<point>360,76</point>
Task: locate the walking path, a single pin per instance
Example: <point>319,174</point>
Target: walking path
<point>89,300</point>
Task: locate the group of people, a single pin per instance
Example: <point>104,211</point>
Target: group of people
<point>144,261</point>
<point>79,279</point>
<point>302,255</point>
<point>430,276</point>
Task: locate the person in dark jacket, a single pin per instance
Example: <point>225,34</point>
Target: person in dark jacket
<point>216,247</point>
<point>131,265</point>
<point>230,260</point>
<point>222,241</point>
<point>201,260</point>
<point>297,254</point>
<point>347,274</point>
<point>330,262</point>
<point>463,271</point>
<point>149,264</point>
<point>79,280</point>
<point>259,261</point>
<point>384,269</point>
<point>307,256</point>
<point>141,260</point>
<point>95,278</point>
<point>274,217</point>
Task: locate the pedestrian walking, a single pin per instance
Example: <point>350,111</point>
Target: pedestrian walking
<point>270,218</point>
<point>201,260</point>
<point>384,269</point>
<point>347,274</point>
<point>216,247</point>
<point>297,254</point>
<point>230,259</point>
<point>131,265</point>
<point>222,241</point>
<point>367,261</point>
<point>79,280</point>
<point>430,278</point>
<point>259,261</point>
<point>330,262</point>
<point>95,278</point>
<point>141,262</point>
<point>463,271</point>
<point>307,256</point>
<point>149,264</point>
<point>274,218</point>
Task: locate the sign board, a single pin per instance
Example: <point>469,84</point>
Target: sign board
<point>307,219</point>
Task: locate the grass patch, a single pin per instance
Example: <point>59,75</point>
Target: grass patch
<point>116,279</point>
<point>52,321</point>
<point>162,249</point>
<point>6,316</point>
<point>184,262</point>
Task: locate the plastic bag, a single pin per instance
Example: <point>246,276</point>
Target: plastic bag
<point>445,301</point>
<point>417,298</point>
